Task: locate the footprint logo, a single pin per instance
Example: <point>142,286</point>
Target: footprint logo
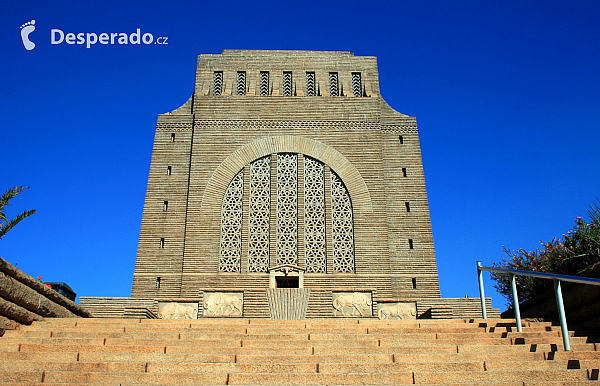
<point>26,29</point>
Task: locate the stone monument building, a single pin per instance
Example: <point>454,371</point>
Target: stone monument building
<point>285,187</point>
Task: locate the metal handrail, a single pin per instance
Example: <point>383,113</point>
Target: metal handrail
<point>556,278</point>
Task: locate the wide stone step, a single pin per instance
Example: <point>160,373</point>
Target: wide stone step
<point>303,346</point>
<point>21,376</point>
<point>317,322</point>
<point>7,357</point>
<point>334,358</point>
<point>57,341</point>
<point>455,357</point>
<point>134,346</point>
<point>172,350</point>
<point>320,379</point>
<point>497,365</point>
<point>161,367</point>
<point>267,378</point>
<point>557,383</point>
<point>551,347</point>
<point>214,357</point>
<point>243,355</point>
<point>480,377</point>
<point>115,367</point>
<point>249,329</point>
<point>282,367</point>
<point>93,348</point>
<point>425,332</point>
<point>209,339</point>
<point>134,377</point>
<point>567,377</point>
<point>258,325</point>
<point>563,355</point>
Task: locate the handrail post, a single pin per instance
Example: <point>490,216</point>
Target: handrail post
<point>481,291</point>
<point>561,314</point>
<point>513,284</point>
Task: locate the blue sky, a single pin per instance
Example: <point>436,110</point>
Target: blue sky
<point>506,95</point>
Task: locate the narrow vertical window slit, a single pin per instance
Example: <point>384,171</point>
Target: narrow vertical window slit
<point>356,84</point>
<point>241,82</point>
<point>218,83</point>
<point>264,83</point>
<point>334,89</point>
<point>310,84</point>
<point>287,83</point>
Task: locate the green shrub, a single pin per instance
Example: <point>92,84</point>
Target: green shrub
<point>570,254</point>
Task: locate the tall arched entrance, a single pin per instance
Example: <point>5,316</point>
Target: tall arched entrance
<point>287,209</point>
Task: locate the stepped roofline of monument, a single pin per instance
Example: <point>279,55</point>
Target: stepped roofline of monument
<point>229,52</point>
<point>225,68</point>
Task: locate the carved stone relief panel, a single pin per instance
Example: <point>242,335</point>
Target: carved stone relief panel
<point>352,304</point>
<point>223,304</point>
<point>177,310</point>
<point>404,311</point>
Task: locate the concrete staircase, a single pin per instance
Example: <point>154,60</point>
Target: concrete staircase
<point>314,352</point>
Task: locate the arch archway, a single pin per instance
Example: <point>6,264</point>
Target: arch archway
<point>226,186</point>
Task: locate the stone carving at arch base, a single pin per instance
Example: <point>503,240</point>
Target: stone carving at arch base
<point>352,304</point>
<point>221,304</point>
<point>177,311</point>
<point>403,311</point>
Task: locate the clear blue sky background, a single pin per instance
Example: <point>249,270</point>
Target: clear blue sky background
<point>506,95</point>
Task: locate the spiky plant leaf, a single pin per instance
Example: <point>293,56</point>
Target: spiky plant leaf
<point>5,223</point>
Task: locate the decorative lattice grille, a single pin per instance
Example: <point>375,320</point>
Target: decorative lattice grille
<point>264,83</point>
<point>259,214</point>
<point>342,231</point>
<point>241,83</point>
<point>314,216</point>
<point>231,225</point>
<point>287,83</point>
<point>334,89</point>
<point>310,84</point>
<point>315,225</point>
<point>356,84</point>
<point>287,208</point>
<point>218,83</point>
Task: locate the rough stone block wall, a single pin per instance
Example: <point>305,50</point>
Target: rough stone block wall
<point>24,299</point>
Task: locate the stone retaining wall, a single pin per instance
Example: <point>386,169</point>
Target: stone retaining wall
<point>24,299</point>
